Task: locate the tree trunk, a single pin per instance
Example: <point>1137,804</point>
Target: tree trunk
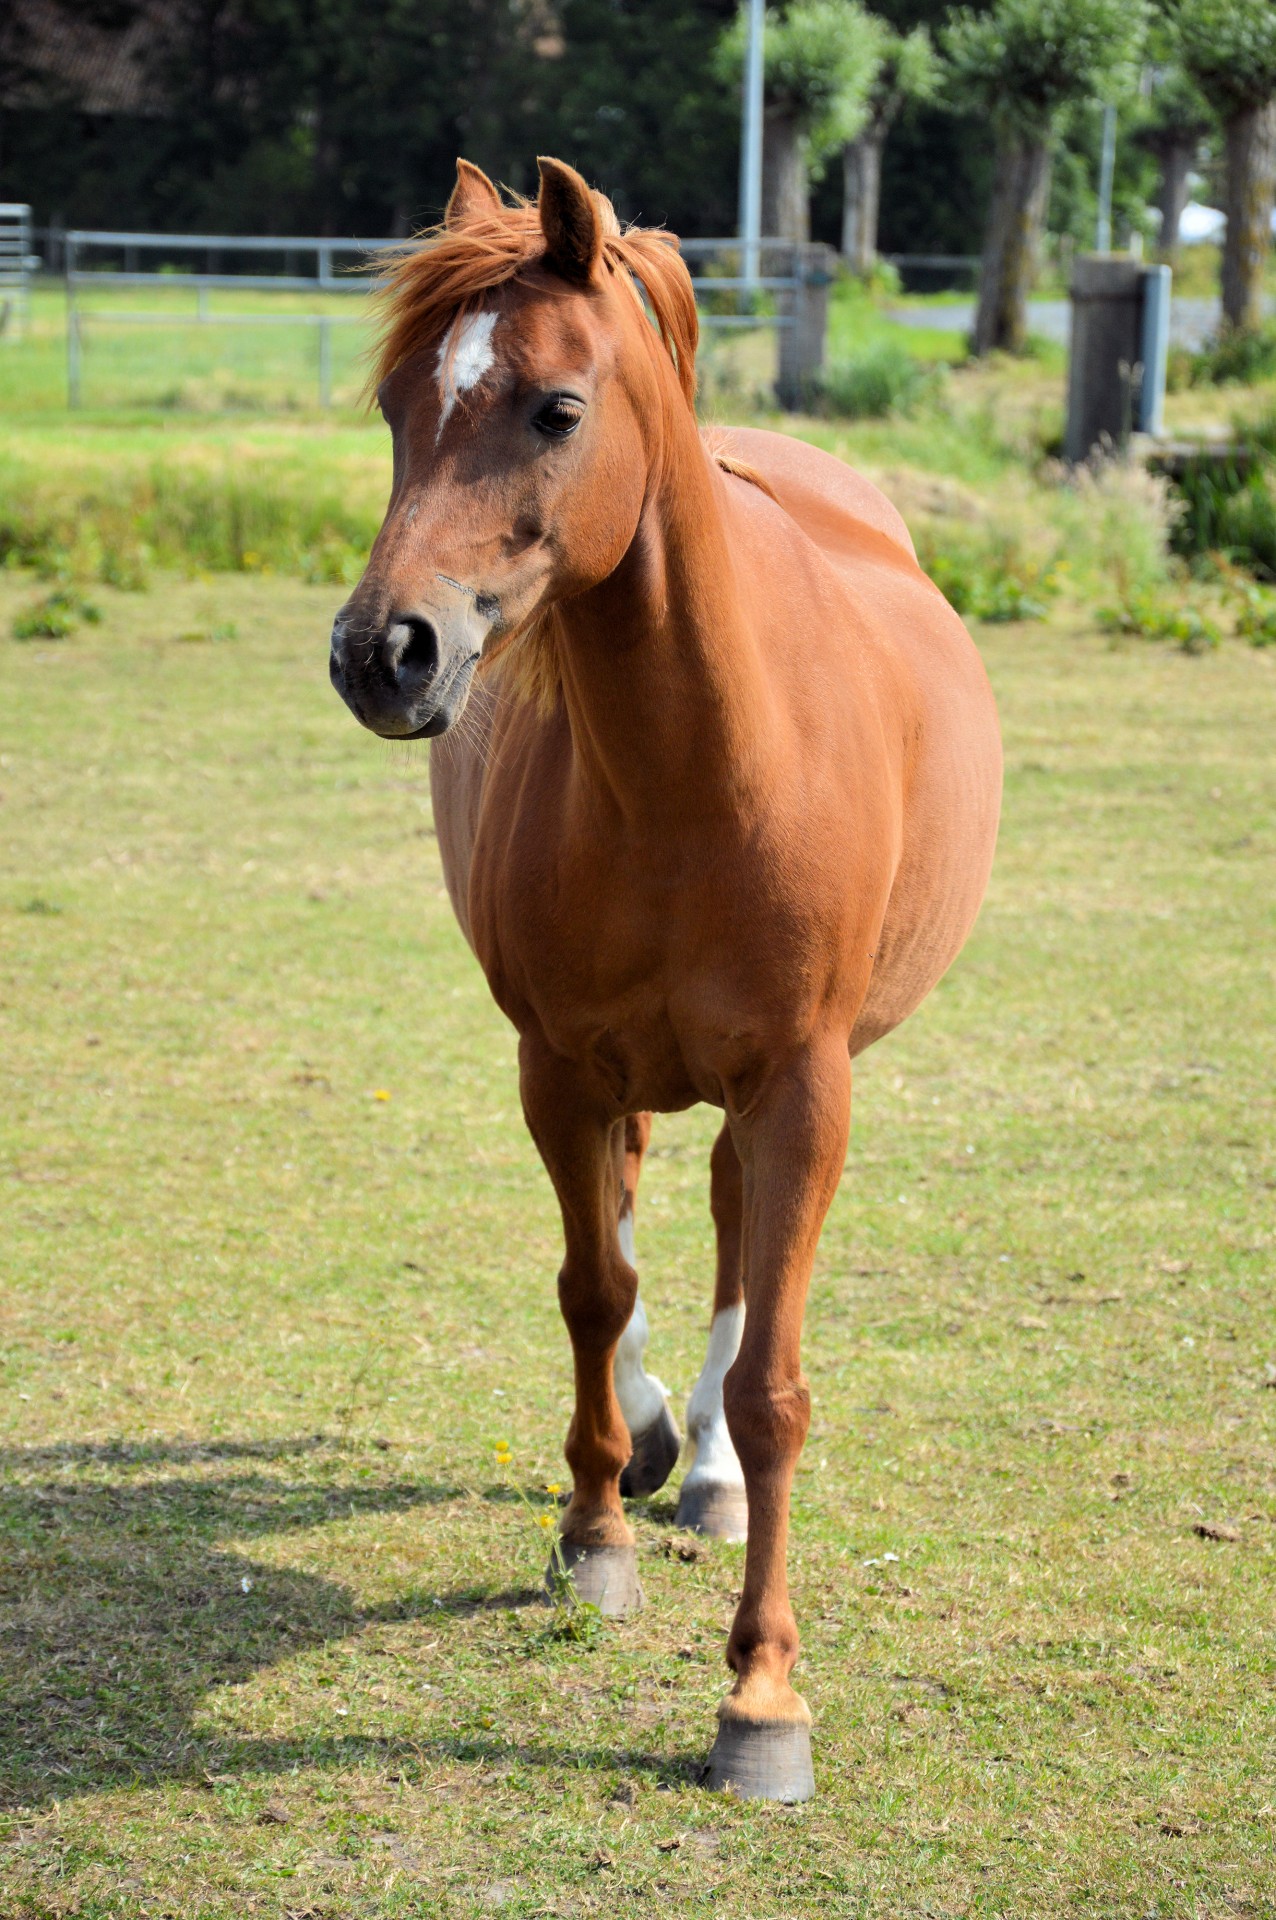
<point>861,200</point>
<point>1174,157</point>
<point>786,198</point>
<point>1251,179</point>
<point>1021,185</point>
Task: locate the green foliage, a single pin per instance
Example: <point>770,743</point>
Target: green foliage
<point>822,57</point>
<point>908,69</point>
<point>1024,60</point>
<point>112,522</point>
<point>986,572</point>
<point>1229,508</point>
<point>1237,356</point>
<point>1256,617</point>
<point>1158,616</point>
<point>1229,48</point>
<point>55,616</point>
<point>884,378</point>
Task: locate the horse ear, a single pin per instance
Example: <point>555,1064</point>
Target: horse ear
<point>570,222</point>
<point>472,195</point>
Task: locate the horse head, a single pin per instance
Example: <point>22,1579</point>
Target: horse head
<point>524,388</point>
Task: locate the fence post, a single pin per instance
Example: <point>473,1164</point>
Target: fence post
<point>325,362</point>
<point>72,329</point>
<point>800,348</point>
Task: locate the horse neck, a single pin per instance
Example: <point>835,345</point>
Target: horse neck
<point>661,676</point>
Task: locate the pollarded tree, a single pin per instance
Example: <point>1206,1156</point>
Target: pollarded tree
<point>1229,48</point>
<point>1021,64</point>
<point>1176,118</point>
<point>908,70</point>
<point>820,60</point>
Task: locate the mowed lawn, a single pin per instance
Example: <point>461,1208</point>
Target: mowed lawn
<point>278,1276</point>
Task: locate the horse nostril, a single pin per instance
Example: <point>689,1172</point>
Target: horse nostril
<point>413,648</point>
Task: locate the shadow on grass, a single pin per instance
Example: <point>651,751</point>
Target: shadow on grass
<point>119,1611</point>
<point>413,1760</point>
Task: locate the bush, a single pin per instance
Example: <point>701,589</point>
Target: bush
<point>1237,357</point>
<point>54,617</point>
<point>1256,621</point>
<point>985,573</point>
<point>1155,616</point>
<point>1228,508</point>
<point>884,378</point>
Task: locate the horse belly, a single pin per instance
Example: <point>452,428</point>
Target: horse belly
<point>949,832</point>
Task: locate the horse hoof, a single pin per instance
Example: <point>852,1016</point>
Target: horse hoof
<point>762,1760</point>
<point>654,1457</point>
<point>709,1507</point>
<point>603,1577</point>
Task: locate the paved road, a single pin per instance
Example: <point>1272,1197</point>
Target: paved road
<point>1191,321</point>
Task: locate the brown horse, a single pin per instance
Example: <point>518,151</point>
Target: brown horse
<point>720,812</point>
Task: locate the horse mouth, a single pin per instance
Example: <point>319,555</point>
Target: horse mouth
<point>447,704</point>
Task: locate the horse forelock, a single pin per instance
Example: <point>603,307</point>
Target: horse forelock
<point>441,276</point>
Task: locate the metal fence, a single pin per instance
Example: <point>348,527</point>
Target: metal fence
<point>788,295</point>
<point>16,264</point>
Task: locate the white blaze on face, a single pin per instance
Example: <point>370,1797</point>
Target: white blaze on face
<point>716,1461</point>
<point>641,1395</point>
<point>465,356</point>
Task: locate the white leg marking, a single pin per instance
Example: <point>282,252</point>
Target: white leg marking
<point>716,1462</point>
<point>464,357</point>
<point>642,1397</point>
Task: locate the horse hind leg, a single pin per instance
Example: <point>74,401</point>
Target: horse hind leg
<point>713,1497</point>
<point>643,1399</point>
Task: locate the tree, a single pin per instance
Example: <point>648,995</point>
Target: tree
<point>1022,63</point>
<point>907,70</point>
<point>1229,48</point>
<point>1176,119</point>
<point>820,58</point>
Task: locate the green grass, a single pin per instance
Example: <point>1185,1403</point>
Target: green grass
<point>269,1639</point>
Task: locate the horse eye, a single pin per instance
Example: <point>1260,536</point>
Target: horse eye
<point>559,416</point>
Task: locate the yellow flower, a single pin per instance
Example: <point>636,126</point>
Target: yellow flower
<point>380,1094</point>
<point>546,1519</point>
<point>553,1487</point>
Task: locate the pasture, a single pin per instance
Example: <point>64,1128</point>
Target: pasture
<point>278,1282</point>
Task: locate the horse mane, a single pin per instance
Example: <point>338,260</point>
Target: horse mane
<point>442,274</point>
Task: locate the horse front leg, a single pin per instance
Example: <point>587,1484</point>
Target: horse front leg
<point>792,1147</point>
<point>643,1398</point>
<point>583,1151</point>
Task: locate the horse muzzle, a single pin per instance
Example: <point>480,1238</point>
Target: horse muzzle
<point>409,678</point>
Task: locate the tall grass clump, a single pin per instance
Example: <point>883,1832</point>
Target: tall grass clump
<point>883,378</point>
<point>110,519</point>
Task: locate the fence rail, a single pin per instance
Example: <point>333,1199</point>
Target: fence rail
<point>791,297</point>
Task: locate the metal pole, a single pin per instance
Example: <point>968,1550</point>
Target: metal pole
<point>751,144</point>
<point>72,331</point>
<point>1103,228</point>
<point>325,363</point>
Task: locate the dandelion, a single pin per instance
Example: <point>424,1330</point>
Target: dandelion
<point>381,1094</point>
<point>546,1520</point>
<point>552,1486</point>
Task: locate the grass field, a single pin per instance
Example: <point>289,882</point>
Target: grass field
<point>278,1278</point>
